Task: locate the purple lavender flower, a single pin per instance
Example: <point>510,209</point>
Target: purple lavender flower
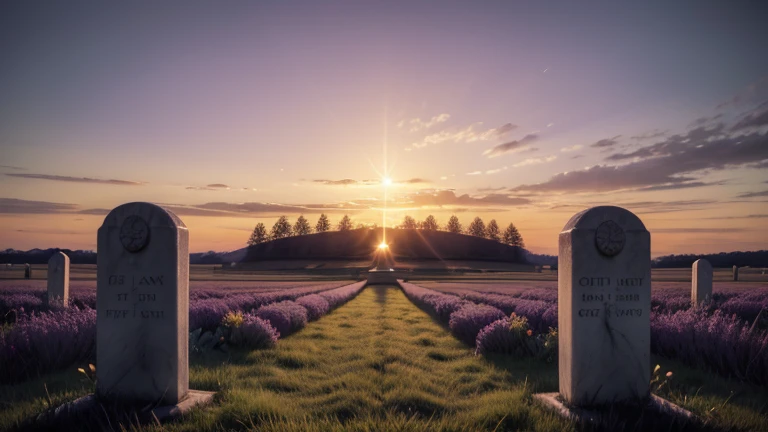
<point>467,322</point>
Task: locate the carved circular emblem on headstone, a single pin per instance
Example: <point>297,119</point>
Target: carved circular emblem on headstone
<point>609,238</point>
<point>134,233</point>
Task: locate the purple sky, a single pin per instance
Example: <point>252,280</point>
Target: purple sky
<point>230,112</point>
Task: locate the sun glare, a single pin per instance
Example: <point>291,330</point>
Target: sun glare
<point>386,181</point>
<point>383,245</point>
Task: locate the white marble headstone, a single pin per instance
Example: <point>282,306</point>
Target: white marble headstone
<point>604,301</point>
<point>58,280</point>
<point>142,304</point>
<point>701,282</point>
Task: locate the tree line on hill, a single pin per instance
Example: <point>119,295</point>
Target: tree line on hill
<point>283,228</point>
<point>722,259</point>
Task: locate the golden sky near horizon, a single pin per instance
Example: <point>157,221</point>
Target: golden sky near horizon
<point>508,111</point>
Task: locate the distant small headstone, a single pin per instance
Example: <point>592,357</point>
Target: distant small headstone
<point>27,271</point>
<point>604,301</point>
<point>58,280</point>
<point>701,282</point>
<point>735,274</point>
<point>142,306</point>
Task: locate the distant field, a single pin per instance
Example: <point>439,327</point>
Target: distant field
<point>424,270</point>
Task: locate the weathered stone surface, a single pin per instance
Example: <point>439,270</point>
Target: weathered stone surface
<point>604,295</point>
<point>142,306</point>
<point>58,280</point>
<point>701,282</point>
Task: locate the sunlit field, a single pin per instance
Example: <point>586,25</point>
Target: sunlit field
<point>393,359</point>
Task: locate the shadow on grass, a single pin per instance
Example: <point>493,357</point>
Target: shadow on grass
<point>381,293</point>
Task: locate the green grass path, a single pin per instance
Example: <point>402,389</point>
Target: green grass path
<point>376,363</point>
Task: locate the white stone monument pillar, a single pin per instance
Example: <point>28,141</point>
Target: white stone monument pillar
<point>735,274</point>
<point>58,280</point>
<point>142,303</point>
<point>604,295</point>
<point>701,282</point>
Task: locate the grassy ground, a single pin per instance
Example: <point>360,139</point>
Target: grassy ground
<point>380,363</point>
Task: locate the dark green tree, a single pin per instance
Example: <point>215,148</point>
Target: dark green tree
<point>492,230</point>
<point>429,224</point>
<point>281,228</point>
<point>259,235</point>
<point>345,224</point>
<point>476,228</point>
<point>409,223</point>
<point>454,225</point>
<point>323,224</point>
<point>301,227</point>
<point>512,236</point>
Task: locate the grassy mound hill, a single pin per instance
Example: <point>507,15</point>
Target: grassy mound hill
<point>406,244</point>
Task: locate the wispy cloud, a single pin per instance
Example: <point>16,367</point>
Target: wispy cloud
<point>449,198</point>
<point>495,170</point>
<point>752,216</point>
<point>76,179</point>
<point>468,134</point>
<point>674,161</point>
<point>418,124</point>
<point>675,186</point>
<point>720,230</point>
<point>571,148</point>
<point>353,182</point>
<point>656,133</point>
<point>606,142</point>
<point>511,146</point>
<point>755,119</point>
<point>13,167</point>
<point>491,189</point>
<point>415,180</point>
<point>754,194</point>
<point>18,206</point>
<point>535,161</point>
<point>347,182</point>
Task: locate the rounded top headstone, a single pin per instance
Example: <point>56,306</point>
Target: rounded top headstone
<point>132,217</point>
<point>609,222</point>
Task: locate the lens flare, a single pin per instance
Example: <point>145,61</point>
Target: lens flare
<point>383,246</point>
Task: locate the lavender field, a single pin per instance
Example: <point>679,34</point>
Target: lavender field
<point>36,338</point>
<point>727,335</point>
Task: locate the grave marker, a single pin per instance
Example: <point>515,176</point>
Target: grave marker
<point>604,295</point>
<point>58,280</point>
<point>735,274</point>
<point>701,282</point>
<point>142,306</point>
<point>28,271</point>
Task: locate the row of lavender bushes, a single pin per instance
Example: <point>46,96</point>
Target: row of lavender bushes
<point>26,299</point>
<point>485,326</point>
<point>712,337</point>
<point>748,305</point>
<point>42,342</point>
